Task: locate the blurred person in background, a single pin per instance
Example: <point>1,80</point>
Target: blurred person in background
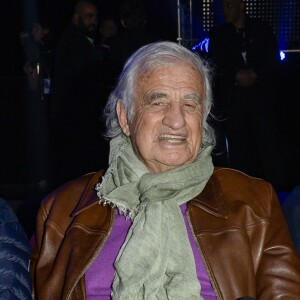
<point>78,97</point>
<point>245,54</point>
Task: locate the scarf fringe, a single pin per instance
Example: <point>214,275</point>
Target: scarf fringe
<point>127,212</point>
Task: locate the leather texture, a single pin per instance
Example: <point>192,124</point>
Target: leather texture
<point>237,222</point>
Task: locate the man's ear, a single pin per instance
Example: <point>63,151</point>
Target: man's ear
<point>123,120</point>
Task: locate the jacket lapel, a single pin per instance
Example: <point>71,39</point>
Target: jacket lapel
<point>211,199</point>
<point>89,196</point>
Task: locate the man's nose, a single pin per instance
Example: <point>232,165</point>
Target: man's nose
<point>174,116</point>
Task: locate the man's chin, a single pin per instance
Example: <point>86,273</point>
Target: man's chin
<point>172,163</point>
<point>91,33</point>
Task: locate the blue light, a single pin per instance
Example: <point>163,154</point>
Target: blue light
<point>203,45</point>
<point>282,55</point>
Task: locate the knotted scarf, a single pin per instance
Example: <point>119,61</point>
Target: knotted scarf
<point>156,260</point>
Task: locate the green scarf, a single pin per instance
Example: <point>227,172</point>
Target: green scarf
<point>156,260</point>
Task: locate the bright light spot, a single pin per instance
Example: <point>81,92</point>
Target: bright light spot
<point>282,55</point>
<point>203,45</point>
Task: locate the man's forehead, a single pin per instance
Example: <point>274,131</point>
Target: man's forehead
<point>89,9</point>
<point>170,75</point>
<point>176,65</point>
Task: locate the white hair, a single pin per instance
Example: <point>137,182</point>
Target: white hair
<point>144,60</point>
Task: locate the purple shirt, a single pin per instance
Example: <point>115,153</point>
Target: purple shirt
<point>100,275</point>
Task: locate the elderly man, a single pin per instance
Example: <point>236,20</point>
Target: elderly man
<point>160,222</point>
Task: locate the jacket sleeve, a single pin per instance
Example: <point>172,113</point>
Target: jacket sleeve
<point>15,251</point>
<point>279,269</point>
<point>52,222</point>
<point>36,239</point>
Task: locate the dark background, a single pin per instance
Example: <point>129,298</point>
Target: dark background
<point>15,18</point>
<point>16,184</point>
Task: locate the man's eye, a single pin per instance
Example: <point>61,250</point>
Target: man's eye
<point>191,106</point>
<point>158,103</point>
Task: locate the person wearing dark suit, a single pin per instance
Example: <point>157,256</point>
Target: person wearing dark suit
<point>78,96</point>
<point>245,55</point>
<point>131,36</point>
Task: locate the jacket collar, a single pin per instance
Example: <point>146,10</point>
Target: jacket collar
<point>89,197</point>
<point>211,199</point>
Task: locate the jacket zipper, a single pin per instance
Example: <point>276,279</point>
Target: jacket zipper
<point>94,256</point>
<point>212,279</point>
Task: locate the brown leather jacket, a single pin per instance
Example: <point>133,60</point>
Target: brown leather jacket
<point>237,221</point>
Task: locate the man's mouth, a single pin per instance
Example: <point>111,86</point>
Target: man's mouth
<point>171,138</point>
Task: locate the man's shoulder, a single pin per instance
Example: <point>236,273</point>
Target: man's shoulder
<point>11,230</point>
<point>69,31</point>
<point>259,26</point>
<point>227,175</point>
<point>222,33</point>
<point>7,213</point>
<point>254,21</point>
<point>238,186</point>
<point>71,193</point>
<point>14,255</point>
<point>72,37</point>
<point>237,181</point>
<point>229,192</point>
<point>221,28</point>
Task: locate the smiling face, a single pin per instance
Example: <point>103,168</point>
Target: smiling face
<point>166,131</point>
